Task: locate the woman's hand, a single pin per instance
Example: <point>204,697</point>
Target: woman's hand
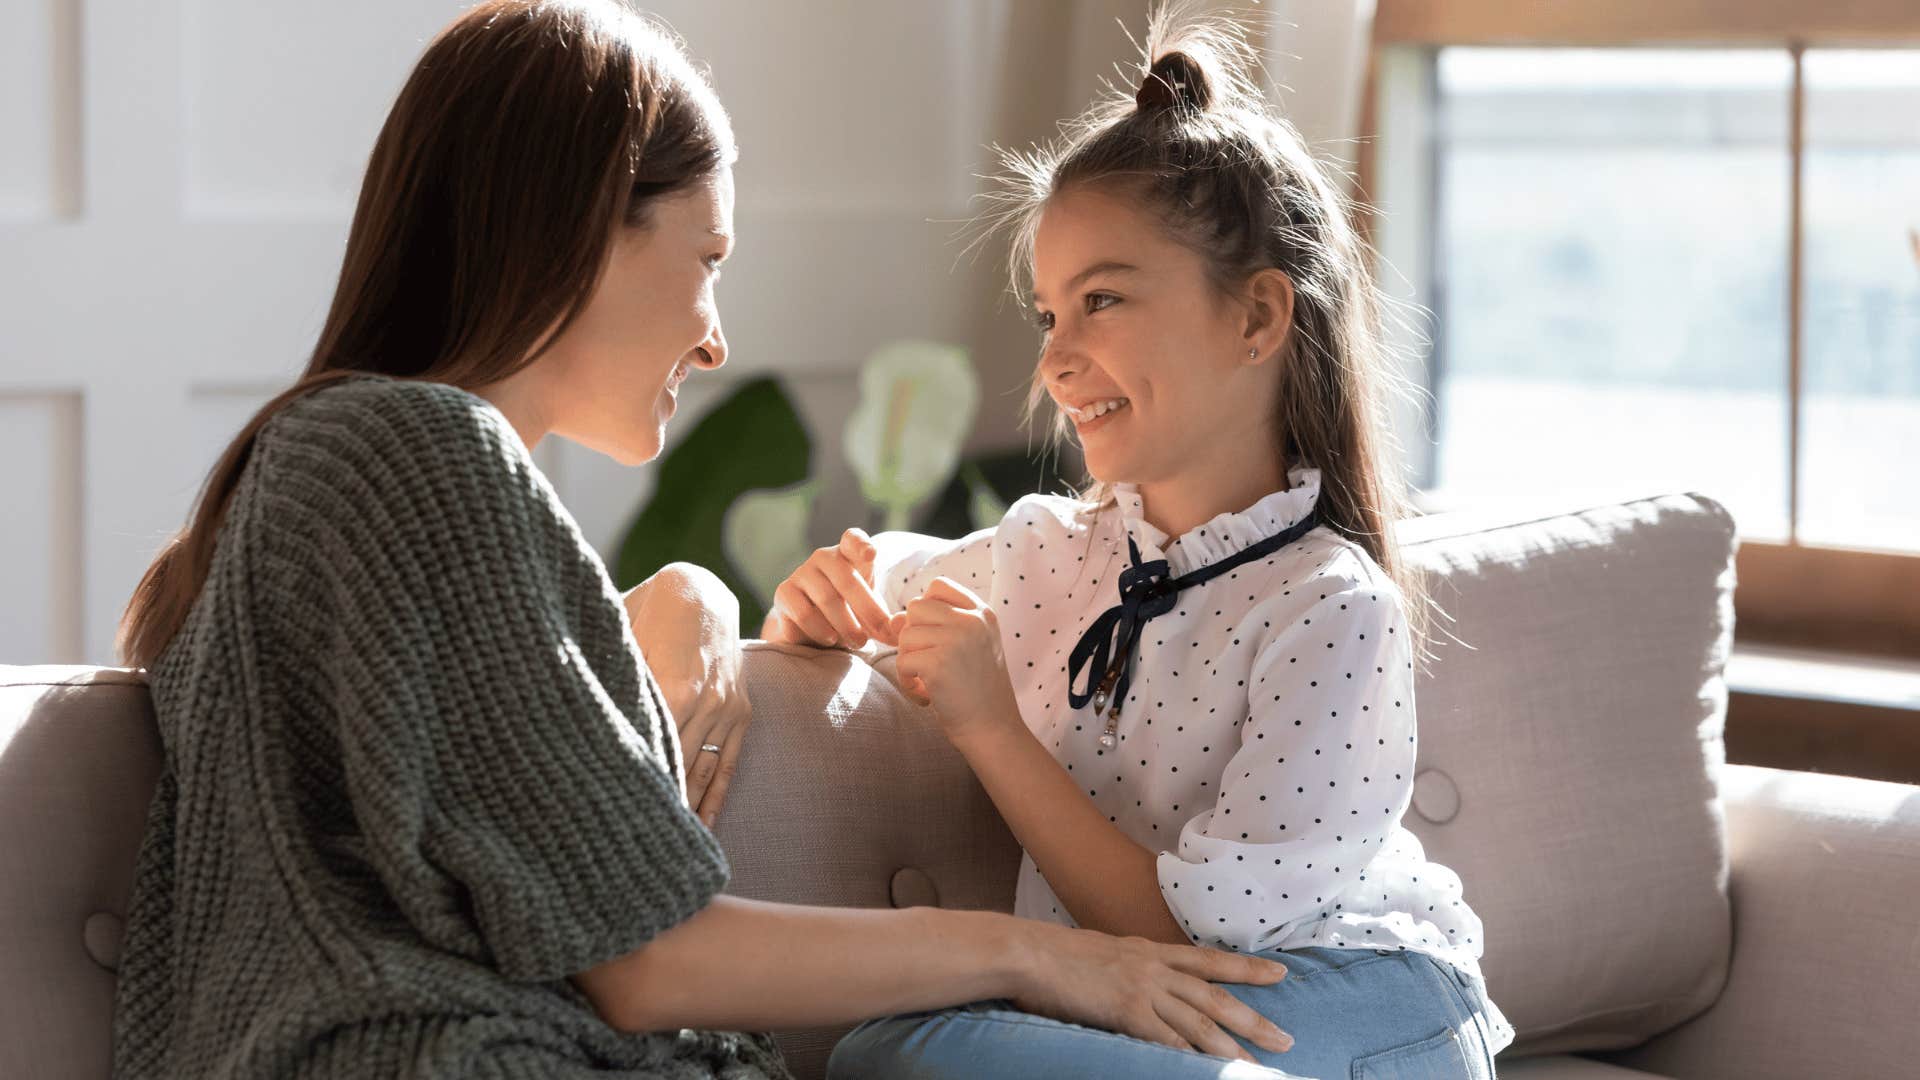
<point>1162,993</point>
<point>950,658</point>
<point>830,600</point>
<point>687,623</point>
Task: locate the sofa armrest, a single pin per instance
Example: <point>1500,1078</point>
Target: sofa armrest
<point>848,795</point>
<point>1825,979</point>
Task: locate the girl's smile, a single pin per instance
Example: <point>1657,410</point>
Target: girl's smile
<point>1094,415</point>
<point>1158,369</point>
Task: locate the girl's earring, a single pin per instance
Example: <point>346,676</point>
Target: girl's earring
<point>1253,354</point>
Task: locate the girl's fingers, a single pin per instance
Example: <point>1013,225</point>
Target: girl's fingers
<point>1197,1029</point>
<point>909,667</point>
<point>729,759</point>
<point>1220,1006</point>
<point>929,610</point>
<point>870,613</point>
<point>952,592</point>
<point>797,608</point>
<point>776,628</point>
<point>919,636</point>
<point>826,600</point>
<point>858,549</point>
<point>910,664</point>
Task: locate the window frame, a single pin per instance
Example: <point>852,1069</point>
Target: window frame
<point>1789,593</point>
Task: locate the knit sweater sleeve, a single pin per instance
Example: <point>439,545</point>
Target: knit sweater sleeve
<point>507,756</point>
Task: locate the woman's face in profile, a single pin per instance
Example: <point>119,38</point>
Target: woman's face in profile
<point>612,379</point>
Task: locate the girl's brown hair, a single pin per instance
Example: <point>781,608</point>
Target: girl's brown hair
<point>528,131</point>
<point>1237,184</point>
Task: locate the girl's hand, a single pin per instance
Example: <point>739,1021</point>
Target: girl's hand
<point>687,623</point>
<point>1162,993</point>
<point>950,658</point>
<point>830,600</point>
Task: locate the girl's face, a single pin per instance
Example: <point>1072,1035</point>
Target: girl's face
<point>611,381</point>
<point>1149,362</point>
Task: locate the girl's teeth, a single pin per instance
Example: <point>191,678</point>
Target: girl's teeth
<point>1100,408</point>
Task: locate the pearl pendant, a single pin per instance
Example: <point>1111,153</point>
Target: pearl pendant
<point>1107,740</point>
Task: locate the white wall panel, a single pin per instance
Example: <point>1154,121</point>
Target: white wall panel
<point>282,100</point>
<point>215,415</point>
<point>847,105</point>
<point>40,537</point>
<point>138,482</point>
<point>39,127</point>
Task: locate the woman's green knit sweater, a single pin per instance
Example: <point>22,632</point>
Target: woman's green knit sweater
<point>416,774</point>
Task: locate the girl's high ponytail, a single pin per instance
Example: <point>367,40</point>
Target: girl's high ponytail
<point>1176,81</point>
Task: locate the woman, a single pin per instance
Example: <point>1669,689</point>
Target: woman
<point>422,809</point>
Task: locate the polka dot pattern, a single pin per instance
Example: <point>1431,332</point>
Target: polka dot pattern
<point>1267,746</point>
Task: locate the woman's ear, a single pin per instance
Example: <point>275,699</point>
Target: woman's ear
<point>1269,299</point>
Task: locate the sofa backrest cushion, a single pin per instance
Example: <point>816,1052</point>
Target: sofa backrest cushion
<point>1570,746</point>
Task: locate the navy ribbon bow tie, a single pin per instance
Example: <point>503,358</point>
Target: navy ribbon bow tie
<point>1147,591</point>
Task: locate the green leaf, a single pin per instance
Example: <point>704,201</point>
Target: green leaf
<point>751,440</point>
<point>917,400</point>
<point>766,536</point>
<point>984,505</point>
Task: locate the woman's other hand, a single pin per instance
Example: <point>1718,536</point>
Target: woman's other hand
<point>687,623</point>
<point>830,600</point>
<point>1162,993</point>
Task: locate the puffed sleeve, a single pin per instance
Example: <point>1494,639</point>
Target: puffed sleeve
<point>1323,773</point>
<point>906,563</point>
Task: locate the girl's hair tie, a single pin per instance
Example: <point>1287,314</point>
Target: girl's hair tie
<point>1175,81</point>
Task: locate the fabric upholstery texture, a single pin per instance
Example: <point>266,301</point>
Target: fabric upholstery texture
<point>1571,772</point>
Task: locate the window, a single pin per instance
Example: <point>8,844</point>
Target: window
<point>1610,275</point>
<point>1860,436</point>
<point>1671,245</point>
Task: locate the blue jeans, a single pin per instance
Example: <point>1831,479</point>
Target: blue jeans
<point>1354,1014</point>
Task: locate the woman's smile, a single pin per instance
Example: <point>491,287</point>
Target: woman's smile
<point>671,391</point>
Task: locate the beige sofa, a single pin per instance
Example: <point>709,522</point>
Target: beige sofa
<point>1650,910</point>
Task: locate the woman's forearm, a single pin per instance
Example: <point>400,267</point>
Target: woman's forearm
<point>1107,881</point>
<point>746,965</point>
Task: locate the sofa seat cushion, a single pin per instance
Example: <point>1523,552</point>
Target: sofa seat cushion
<point>1567,1067</point>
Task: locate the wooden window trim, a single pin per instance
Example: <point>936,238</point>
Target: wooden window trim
<point>1643,22</point>
<point>1828,598</point>
<point>1788,593</point>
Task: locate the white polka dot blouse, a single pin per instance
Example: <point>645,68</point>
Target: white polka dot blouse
<point>1266,747</point>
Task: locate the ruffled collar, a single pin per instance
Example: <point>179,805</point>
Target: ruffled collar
<point>1226,533</point>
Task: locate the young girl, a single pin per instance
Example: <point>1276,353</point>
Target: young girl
<point>1189,693</point>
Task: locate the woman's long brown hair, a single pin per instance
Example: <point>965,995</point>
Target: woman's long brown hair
<point>528,132</point>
